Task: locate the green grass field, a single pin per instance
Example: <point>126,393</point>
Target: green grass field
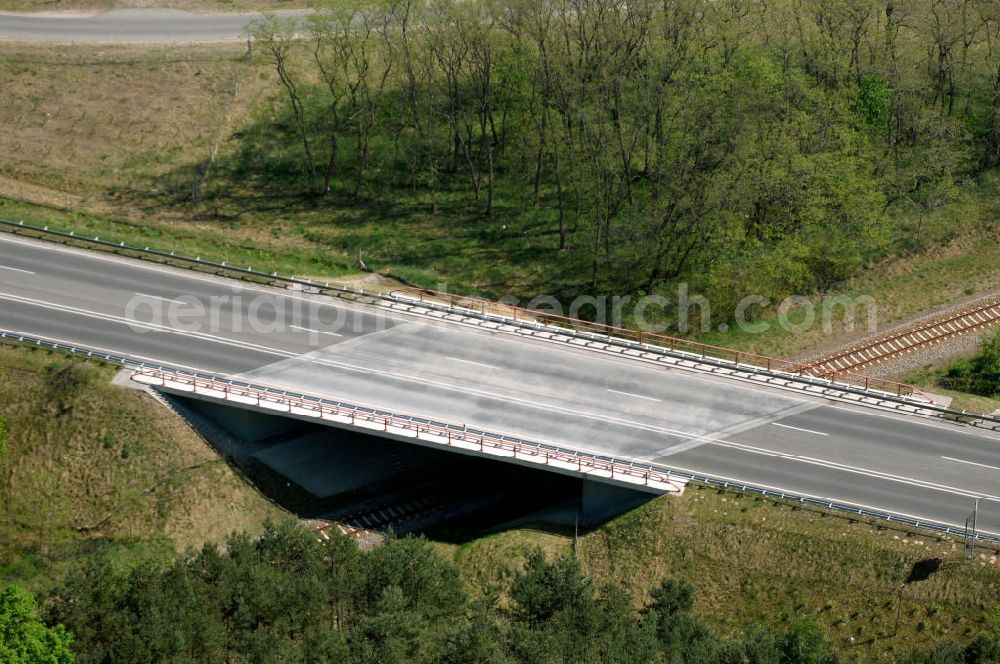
<point>930,379</point>
<point>91,466</point>
<point>757,561</point>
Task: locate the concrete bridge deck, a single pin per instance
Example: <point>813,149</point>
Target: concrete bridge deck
<point>622,407</point>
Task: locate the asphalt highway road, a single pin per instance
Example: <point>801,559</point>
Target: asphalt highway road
<point>495,381</point>
<point>127,25</point>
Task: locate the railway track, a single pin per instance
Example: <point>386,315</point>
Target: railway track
<point>369,526</point>
<point>903,342</point>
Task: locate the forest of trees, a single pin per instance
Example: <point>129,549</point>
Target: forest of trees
<point>775,145</point>
<point>288,597</point>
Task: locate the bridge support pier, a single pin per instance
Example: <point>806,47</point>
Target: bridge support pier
<point>601,501</point>
<point>249,426</point>
<point>373,482</point>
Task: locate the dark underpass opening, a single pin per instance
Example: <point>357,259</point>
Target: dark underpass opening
<point>372,484</point>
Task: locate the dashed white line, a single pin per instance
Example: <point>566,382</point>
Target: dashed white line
<point>971,463</point>
<point>924,484</point>
<point>900,478</point>
<point>478,364</point>
<point>15,269</point>
<point>637,396</point>
<point>787,426</point>
<point>157,297</point>
<point>308,329</point>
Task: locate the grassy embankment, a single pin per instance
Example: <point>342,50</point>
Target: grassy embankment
<point>91,466</point>
<point>754,561</point>
<point>112,140</point>
<point>936,379</point>
<point>97,467</point>
<point>926,380</point>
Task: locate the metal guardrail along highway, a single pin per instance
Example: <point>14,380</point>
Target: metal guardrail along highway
<point>518,315</point>
<point>663,471</point>
<point>801,375</point>
<point>674,344</point>
<point>847,382</point>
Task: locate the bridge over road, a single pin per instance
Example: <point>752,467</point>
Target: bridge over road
<point>628,409</point>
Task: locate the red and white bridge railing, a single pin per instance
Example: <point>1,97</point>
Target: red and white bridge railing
<point>400,426</point>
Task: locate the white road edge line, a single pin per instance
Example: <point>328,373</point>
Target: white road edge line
<point>478,364</point>
<point>183,273</point>
<point>861,409</point>
<point>787,426</point>
<point>108,351</point>
<point>738,482</point>
<point>971,463</point>
<point>833,465</point>
<point>15,269</point>
<point>133,324</point>
<point>900,478</point>
<point>308,329</point>
<point>637,396</point>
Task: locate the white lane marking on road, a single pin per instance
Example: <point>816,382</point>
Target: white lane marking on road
<point>787,426</point>
<point>900,478</point>
<point>108,351</point>
<point>637,396</point>
<point>737,482</point>
<point>181,273</point>
<point>150,326</point>
<point>833,465</point>
<point>916,419</point>
<point>164,363</point>
<point>281,353</point>
<point>747,448</point>
<point>157,297</point>
<point>732,430</point>
<point>508,399</point>
<point>648,365</point>
<point>123,262</point>
<point>308,329</point>
<point>478,364</point>
<point>971,463</point>
<point>15,269</point>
